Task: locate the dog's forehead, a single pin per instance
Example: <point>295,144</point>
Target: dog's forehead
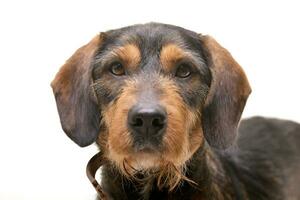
<point>150,38</point>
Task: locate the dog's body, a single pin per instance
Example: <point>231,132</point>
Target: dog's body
<point>164,104</point>
<point>265,164</point>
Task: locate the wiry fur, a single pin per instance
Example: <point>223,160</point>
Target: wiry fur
<point>199,155</point>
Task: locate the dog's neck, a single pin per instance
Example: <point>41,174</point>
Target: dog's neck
<point>205,168</point>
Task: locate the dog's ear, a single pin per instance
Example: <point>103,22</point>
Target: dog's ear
<point>76,103</point>
<point>228,94</point>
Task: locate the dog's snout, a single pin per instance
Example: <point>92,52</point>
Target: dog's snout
<point>147,120</point>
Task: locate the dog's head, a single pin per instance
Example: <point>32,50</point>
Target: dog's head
<point>151,95</point>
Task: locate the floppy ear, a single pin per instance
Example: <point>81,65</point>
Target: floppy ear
<point>76,102</point>
<point>227,96</point>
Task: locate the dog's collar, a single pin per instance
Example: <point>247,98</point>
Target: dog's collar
<point>93,165</point>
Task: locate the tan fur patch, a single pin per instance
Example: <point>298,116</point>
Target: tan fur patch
<point>184,133</point>
<point>119,139</point>
<point>170,55</point>
<point>130,55</point>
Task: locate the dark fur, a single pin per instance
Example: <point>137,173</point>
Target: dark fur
<point>262,163</point>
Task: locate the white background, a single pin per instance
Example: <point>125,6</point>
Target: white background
<point>37,161</point>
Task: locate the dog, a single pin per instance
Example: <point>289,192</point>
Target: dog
<point>164,105</point>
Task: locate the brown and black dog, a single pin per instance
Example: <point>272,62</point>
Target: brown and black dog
<point>164,104</point>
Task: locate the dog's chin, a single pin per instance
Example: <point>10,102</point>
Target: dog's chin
<point>145,160</point>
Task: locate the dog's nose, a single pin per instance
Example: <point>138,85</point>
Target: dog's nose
<point>147,121</point>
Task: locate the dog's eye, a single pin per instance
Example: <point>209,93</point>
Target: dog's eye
<point>117,69</point>
<point>183,71</point>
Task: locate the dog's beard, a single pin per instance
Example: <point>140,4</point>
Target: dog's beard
<point>154,171</point>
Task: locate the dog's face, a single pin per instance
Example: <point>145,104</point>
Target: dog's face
<point>155,81</point>
<point>151,95</point>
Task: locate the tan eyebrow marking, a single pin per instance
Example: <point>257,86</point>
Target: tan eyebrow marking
<point>170,54</point>
<point>129,54</point>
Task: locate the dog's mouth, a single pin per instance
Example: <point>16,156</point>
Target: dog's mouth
<point>146,149</point>
<point>147,146</point>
